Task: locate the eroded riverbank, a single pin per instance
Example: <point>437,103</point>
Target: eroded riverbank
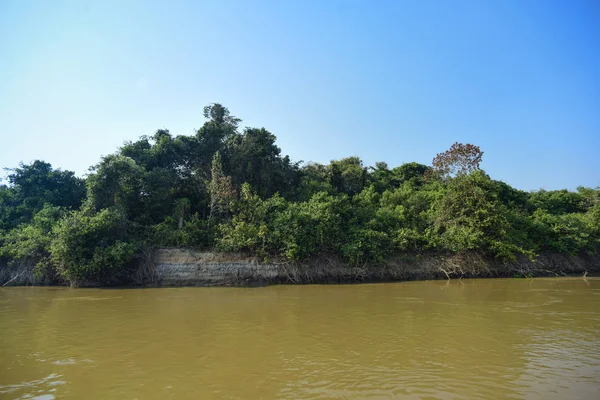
<point>186,267</point>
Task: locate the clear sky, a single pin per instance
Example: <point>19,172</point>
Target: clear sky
<point>393,81</point>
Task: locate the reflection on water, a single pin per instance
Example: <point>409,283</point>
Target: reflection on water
<point>35,386</point>
<point>490,339</point>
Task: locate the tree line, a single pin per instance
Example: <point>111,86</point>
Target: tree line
<point>230,189</point>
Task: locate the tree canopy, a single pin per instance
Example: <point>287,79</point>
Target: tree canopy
<point>231,189</point>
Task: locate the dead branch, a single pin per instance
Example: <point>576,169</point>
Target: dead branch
<point>13,279</point>
<point>444,271</point>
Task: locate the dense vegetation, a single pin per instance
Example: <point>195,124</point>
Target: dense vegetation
<point>230,189</point>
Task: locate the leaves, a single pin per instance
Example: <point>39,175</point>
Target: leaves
<point>232,190</point>
<point>460,159</point>
<point>92,247</point>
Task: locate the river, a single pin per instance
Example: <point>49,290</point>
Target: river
<point>469,339</point>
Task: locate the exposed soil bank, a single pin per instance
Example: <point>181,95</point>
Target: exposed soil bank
<point>181,267</point>
<point>184,267</point>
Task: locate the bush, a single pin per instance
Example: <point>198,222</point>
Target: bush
<point>311,227</point>
<point>30,243</point>
<point>93,248</point>
<point>366,245</point>
<point>470,216</point>
<point>568,233</point>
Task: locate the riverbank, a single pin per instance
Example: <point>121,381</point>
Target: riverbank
<point>186,267</point>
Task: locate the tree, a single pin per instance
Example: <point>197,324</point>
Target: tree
<point>30,243</point>
<point>380,176</point>
<point>212,137</point>
<point>117,181</point>
<point>167,190</point>
<point>32,186</point>
<point>314,178</point>
<point>93,247</point>
<point>348,175</point>
<point>410,172</point>
<point>460,159</point>
<point>222,193</point>
<point>220,115</point>
<point>559,201</point>
<point>254,158</point>
<point>182,206</point>
<point>470,216</point>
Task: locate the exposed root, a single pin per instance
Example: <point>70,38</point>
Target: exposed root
<point>146,273</point>
<point>445,272</point>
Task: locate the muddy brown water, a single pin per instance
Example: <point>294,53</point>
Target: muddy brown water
<point>469,339</point>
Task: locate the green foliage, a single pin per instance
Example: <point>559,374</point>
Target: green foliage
<point>247,231</point>
<point>194,233</point>
<point>31,187</point>
<point>314,179</point>
<point>165,234</point>
<point>311,227</point>
<point>254,158</point>
<point>92,247</point>
<point>470,216</point>
<point>234,191</point>
<point>30,243</point>
<point>413,173</point>
<point>367,245</point>
<point>348,175</point>
<point>558,202</point>
<point>222,192</point>
<point>117,181</point>
<point>182,208</point>
<point>290,230</point>
<point>568,233</point>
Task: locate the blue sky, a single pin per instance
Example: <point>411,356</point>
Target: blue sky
<point>393,81</point>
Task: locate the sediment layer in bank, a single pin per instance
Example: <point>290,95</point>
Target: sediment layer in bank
<point>186,267</point>
<point>181,267</point>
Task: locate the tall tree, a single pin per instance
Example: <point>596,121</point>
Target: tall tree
<point>182,207</point>
<point>212,137</point>
<point>222,193</point>
<point>348,175</point>
<point>117,181</point>
<point>410,172</point>
<point>32,186</point>
<point>254,158</point>
<point>459,159</point>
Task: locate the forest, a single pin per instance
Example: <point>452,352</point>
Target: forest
<point>229,189</point>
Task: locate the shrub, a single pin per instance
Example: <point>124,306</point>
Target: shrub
<point>93,248</point>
